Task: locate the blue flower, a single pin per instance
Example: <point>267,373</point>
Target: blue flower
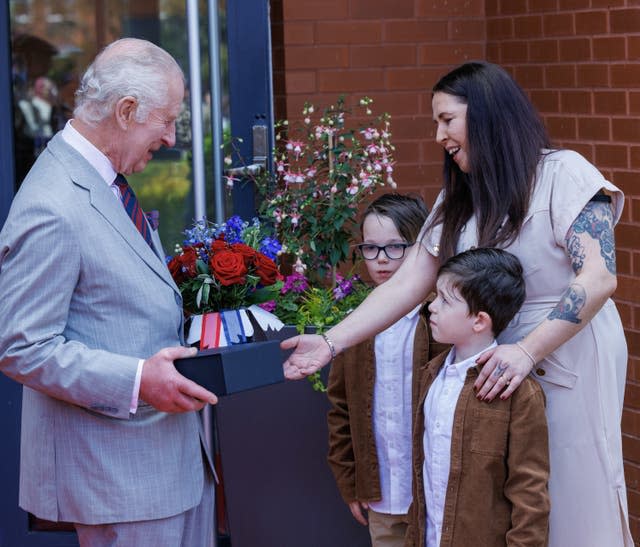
<point>270,247</point>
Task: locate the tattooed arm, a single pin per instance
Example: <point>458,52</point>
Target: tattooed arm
<point>591,250</point>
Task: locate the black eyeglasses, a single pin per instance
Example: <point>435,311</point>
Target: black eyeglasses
<point>394,251</point>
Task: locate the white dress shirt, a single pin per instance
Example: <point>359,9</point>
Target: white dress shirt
<point>439,409</point>
<point>392,413</point>
<point>103,166</point>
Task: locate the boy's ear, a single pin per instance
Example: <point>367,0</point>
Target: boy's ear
<point>482,323</point>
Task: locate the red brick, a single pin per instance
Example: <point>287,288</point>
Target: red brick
<point>446,8</point>
<point>625,130</point>
<point>413,78</point>
<point>575,49</point>
<point>419,175</point>
<point>635,216</point>
<point>566,5</point>
<point>468,29</point>
<point>607,3</point>
<point>383,55</point>
<point>543,5</point>
<point>632,396</point>
<point>558,24</point>
<point>627,75</point>
<point>546,101</point>
<point>529,26</point>
<point>412,127</point>
<point>317,57</point>
<point>543,51</point>
<point>302,81</point>
<point>560,75</point>
<point>592,75</point>
<point>348,32</point>
<point>298,33</point>
<point>634,102</point>
<point>494,53</point>
<point>432,151</point>
<point>634,163</point>
<point>561,127</point>
<point>381,9</point>
<point>500,28</point>
<point>633,48</point>
<point>513,7</point>
<point>591,22</point>
<point>631,426</point>
<point>612,155</point>
<point>625,310</point>
<point>624,20</point>
<point>594,129</point>
<point>631,452</point>
<point>313,10</point>
<point>529,76</point>
<point>513,52</point>
<point>491,8</point>
<point>610,48</point>
<point>398,103</point>
<point>610,102</point>
<point>627,181</point>
<point>633,340</point>
<point>406,151</point>
<point>415,31</point>
<point>577,102</point>
<point>455,53</point>
<point>355,81</point>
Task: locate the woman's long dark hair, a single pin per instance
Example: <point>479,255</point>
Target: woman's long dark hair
<point>505,137</point>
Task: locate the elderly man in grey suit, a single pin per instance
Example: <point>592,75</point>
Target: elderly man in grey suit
<point>92,321</point>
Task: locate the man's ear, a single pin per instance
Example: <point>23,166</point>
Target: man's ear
<point>125,111</point>
<point>482,323</point>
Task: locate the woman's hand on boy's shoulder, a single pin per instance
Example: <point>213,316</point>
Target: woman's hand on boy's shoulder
<point>505,367</point>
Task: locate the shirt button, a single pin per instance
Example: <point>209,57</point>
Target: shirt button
<point>541,372</point>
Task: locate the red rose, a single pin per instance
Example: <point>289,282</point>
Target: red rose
<point>219,245</point>
<point>249,253</point>
<point>266,269</point>
<point>228,267</point>
<point>183,266</point>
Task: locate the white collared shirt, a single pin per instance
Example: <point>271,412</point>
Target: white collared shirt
<point>103,166</point>
<point>439,409</point>
<point>392,413</point>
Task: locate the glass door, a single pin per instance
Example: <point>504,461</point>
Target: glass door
<point>224,50</point>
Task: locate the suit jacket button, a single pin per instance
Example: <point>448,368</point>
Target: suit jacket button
<point>540,372</point>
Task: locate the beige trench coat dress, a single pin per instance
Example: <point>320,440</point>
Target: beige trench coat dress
<point>584,379</point>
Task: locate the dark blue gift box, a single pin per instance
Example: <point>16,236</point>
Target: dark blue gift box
<point>235,368</point>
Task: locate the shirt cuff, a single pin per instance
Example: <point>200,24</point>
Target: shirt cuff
<point>136,388</point>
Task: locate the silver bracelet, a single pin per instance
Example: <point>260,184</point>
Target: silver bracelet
<point>533,361</point>
<point>332,348</point>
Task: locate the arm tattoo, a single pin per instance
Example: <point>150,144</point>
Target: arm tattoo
<point>596,220</point>
<point>570,304</point>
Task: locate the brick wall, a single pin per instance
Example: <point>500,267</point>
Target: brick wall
<point>578,59</point>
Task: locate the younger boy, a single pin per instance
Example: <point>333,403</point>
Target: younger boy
<point>484,478</point>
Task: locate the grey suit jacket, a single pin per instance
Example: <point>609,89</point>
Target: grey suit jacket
<point>82,299</point>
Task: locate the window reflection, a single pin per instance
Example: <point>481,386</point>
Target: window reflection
<point>53,41</point>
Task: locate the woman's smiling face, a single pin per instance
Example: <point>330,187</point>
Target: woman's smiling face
<point>450,117</point>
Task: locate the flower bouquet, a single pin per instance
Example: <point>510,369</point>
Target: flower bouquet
<point>221,269</point>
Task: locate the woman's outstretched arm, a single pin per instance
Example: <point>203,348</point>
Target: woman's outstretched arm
<point>407,288</point>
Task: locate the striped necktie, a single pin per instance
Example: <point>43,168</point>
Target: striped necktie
<point>133,208</point>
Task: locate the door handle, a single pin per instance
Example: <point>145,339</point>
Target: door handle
<point>259,164</point>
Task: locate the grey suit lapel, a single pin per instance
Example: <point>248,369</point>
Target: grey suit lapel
<point>107,205</point>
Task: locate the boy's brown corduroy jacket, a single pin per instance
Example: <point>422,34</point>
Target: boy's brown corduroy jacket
<point>497,492</point>
<point>352,450</point>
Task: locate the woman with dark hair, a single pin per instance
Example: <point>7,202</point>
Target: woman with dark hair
<point>505,187</point>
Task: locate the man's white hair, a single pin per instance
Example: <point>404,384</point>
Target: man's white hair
<point>126,67</point>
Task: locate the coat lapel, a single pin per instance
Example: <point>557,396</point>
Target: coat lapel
<point>106,204</point>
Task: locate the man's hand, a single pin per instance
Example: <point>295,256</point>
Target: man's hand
<point>310,354</point>
<point>164,388</point>
<point>356,508</point>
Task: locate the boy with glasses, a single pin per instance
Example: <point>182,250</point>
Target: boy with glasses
<point>370,418</point>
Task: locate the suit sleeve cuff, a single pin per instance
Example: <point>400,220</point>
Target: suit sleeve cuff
<point>136,388</point>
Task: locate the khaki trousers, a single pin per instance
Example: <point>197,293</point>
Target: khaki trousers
<point>387,530</point>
